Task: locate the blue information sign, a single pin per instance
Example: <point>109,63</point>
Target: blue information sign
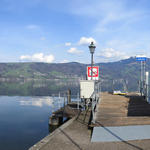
<point>141,58</point>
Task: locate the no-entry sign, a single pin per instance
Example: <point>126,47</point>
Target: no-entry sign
<point>95,75</point>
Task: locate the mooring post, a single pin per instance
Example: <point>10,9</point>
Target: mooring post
<point>69,96</point>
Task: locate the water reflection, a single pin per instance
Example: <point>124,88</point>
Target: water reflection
<point>39,102</point>
<point>24,120</point>
<point>42,101</point>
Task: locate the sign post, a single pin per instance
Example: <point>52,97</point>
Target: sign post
<point>147,86</point>
<point>93,72</point>
<point>142,59</point>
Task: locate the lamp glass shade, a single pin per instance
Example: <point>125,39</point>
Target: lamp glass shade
<point>92,47</point>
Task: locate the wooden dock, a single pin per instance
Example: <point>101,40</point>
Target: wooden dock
<point>115,110</point>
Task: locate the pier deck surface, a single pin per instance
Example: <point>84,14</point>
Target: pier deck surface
<point>113,110</point>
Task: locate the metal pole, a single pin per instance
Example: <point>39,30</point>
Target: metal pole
<point>69,96</point>
<point>64,102</point>
<point>53,109</point>
<point>144,80</point>
<point>59,106</point>
<point>59,95</point>
<point>91,66</point>
<point>112,85</point>
<point>93,113</point>
<point>147,86</point>
<point>78,100</point>
<point>141,87</point>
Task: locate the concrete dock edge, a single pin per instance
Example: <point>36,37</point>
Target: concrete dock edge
<point>45,140</point>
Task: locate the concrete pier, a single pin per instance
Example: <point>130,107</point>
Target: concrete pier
<point>113,110</point>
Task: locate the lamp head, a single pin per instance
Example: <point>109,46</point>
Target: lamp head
<point>92,47</point>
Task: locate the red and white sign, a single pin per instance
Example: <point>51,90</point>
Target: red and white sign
<point>95,75</point>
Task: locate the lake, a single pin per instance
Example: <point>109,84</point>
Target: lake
<point>24,120</point>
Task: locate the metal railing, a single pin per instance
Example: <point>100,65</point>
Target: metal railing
<point>62,100</point>
<point>82,104</point>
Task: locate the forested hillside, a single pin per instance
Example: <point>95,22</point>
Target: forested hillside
<point>45,78</point>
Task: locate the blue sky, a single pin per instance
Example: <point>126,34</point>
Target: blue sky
<point>57,31</point>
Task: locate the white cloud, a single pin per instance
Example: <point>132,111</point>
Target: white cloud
<point>32,26</point>
<point>74,50</point>
<point>111,54</point>
<point>38,57</point>
<point>68,44</point>
<point>86,41</point>
<point>64,61</point>
<point>25,57</point>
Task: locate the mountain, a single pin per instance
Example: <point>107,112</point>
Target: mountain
<point>46,79</point>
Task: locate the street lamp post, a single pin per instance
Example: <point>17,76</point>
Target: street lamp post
<point>92,49</point>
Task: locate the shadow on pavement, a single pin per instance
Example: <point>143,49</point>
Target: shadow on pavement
<point>138,106</point>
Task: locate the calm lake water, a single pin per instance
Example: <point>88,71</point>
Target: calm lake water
<point>24,120</point>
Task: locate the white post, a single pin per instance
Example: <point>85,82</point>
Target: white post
<point>141,83</point>
<point>144,78</point>
<point>147,86</point>
<point>59,101</point>
<point>53,106</point>
<point>59,95</point>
